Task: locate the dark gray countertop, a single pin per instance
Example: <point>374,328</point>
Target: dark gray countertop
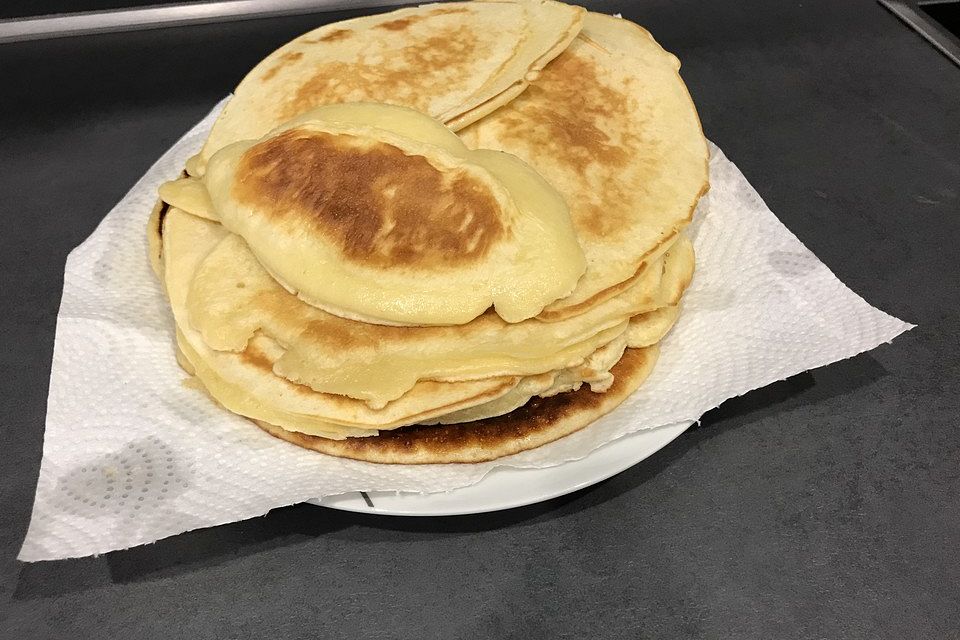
<point>824,506</point>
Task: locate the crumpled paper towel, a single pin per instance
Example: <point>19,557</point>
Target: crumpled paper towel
<point>132,455</point>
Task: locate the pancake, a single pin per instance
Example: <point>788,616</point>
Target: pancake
<point>381,213</point>
<point>443,60</point>
<point>611,125</point>
<point>595,371</point>
<point>260,394</point>
<point>540,421</point>
<point>250,388</point>
<point>269,397</point>
<point>245,383</point>
<point>232,298</point>
<point>358,281</point>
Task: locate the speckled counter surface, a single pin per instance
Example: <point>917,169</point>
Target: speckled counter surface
<point>824,506</point>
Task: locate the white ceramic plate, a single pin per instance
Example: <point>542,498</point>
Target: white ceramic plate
<point>509,487</point>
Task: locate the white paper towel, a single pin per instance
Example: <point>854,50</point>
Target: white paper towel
<point>132,455</point>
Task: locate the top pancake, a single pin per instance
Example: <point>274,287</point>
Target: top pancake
<point>611,125</point>
<point>443,60</point>
<point>382,214</point>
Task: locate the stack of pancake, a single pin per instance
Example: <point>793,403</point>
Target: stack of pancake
<point>442,234</point>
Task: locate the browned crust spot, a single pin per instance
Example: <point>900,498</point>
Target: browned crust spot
<point>402,24</point>
<point>284,60</point>
<point>540,421</point>
<point>562,116</point>
<point>378,205</point>
<point>161,214</point>
<point>335,36</point>
<point>155,237</point>
<point>407,77</point>
<point>256,358</point>
<point>447,11</point>
<point>157,215</point>
<point>399,24</point>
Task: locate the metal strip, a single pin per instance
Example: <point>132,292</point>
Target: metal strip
<point>936,35</point>
<point>83,23</point>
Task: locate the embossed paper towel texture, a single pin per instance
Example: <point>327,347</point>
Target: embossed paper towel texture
<point>132,455</point>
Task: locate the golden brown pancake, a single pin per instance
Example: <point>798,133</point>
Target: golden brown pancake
<point>382,214</point>
<point>610,124</point>
<point>443,60</point>
<point>354,212</point>
<point>540,421</point>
